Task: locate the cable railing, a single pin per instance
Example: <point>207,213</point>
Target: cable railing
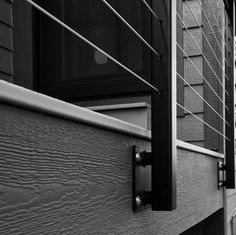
<point>203,33</point>
<point>212,30</point>
<point>218,26</point>
<point>152,12</point>
<point>123,20</point>
<point>163,124</point>
<point>78,35</point>
<point>200,50</point>
<point>204,79</point>
<point>204,100</point>
<point>205,123</point>
<point>130,27</point>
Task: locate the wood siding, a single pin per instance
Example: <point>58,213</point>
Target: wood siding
<point>58,176</point>
<point>230,209</point>
<point>6,46</point>
<point>23,60</point>
<point>205,60</point>
<point>189,129</point>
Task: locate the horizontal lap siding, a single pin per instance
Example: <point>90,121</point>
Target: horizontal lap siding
<point>189,128</point>
<point>230,210</point>
<point>6,12</point>
<point>59,176</point>
<point>214,73</point>
<point>6,47</point>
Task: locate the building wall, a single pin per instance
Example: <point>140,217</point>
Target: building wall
<point>189,129</point>
<point>201,55</point>
<point>230,208</point>
<point>6,46</point>
<point>59,176</point>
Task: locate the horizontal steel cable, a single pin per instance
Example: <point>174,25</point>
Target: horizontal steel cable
<point>190,8</point>
<point>208,21</point>
<point>110,57</point>
<point>211,127</point>
<point>202,76</point>
<point>203,99</point>
<point>213,13</point>
<point>152,12</point>
<point>217,41</point>
<point>89,42</point>
<point>217,77</point>
<point>130,27</point>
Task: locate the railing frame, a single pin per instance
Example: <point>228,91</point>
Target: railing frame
<point>164,108</point>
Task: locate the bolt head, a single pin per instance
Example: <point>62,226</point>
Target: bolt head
<point>138,200</point>
<point>138,157</point>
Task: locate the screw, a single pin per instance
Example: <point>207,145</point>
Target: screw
<point>138,157</point>
<point>138,200</point>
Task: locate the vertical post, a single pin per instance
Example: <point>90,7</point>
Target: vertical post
<point>230,86</point>
<point>164,108</point>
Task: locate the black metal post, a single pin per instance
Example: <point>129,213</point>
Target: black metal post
<point>229,101</point>
<point>164,108</point>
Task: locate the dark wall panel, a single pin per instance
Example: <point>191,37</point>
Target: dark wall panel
<point>23,59</point>
<point>6,61</point>
<point>6,47</point>
<point>6,36</point>
<point>5,77</point>
<point>6,12</point>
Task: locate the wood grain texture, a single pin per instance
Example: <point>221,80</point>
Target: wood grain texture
<point>230,208</point>
<point>6,12</point>
<point>61,177</point>
<point>212,225</point>
<point>231,211</point>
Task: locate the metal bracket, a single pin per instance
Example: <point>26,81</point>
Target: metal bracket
<point>141,162</point>
<point>221,174</point>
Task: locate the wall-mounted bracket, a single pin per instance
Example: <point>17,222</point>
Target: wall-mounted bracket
<point>141,161</point>
<point>221,174</point>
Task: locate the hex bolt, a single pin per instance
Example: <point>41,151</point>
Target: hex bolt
<point>138,157</point>
<point>138,200</point>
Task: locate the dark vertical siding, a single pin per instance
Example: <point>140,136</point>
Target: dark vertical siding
<point>23,44</point>
<point>6,47</point>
